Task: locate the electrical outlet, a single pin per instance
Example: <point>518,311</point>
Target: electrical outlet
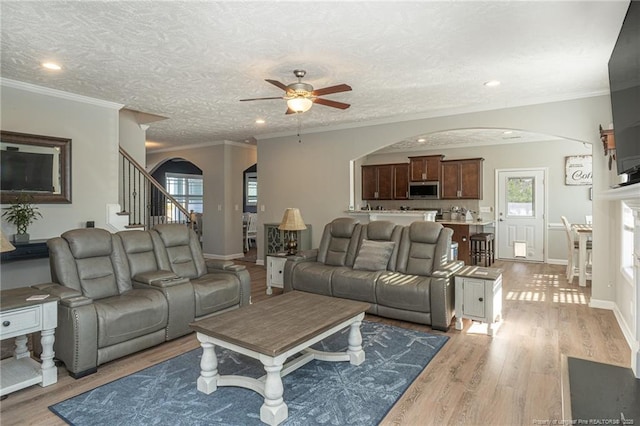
<point>219,207</point>
<point>262,208</point>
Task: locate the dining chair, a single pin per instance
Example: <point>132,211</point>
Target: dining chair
<point>572,251</point>
<point>251,231</point>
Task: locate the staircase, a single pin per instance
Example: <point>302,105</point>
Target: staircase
<point>144,203</point>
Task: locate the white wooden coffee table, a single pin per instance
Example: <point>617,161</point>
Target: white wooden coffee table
<point>271,331</point>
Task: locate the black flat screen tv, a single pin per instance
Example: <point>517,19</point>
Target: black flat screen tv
<point>624,82</point>
<point>26,171</point>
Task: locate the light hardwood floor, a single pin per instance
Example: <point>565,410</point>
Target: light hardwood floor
<point>513,378</point>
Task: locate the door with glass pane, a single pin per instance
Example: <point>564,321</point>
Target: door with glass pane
<point>520,214</point>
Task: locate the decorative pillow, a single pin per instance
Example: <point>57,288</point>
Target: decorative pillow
<point>374,255</point>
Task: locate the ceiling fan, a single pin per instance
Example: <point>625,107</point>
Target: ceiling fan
<point>301,96</point>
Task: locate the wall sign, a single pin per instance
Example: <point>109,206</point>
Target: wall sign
<point>578,170</point>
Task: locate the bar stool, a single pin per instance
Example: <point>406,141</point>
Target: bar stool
<point>482,248</point>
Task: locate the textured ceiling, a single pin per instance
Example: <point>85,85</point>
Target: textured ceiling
<point>193,61</point>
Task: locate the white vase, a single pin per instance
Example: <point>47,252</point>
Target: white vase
<point>21,238</point>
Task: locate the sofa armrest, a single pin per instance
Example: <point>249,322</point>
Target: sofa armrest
<point>68,296</point>
<point>158,279</point>
<point>292,262</point>
<point>214,265</point>
<point>448,270</point>
<point>442,291</point>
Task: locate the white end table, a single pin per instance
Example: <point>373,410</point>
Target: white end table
<point>275,271</point>
<point>479,296</point>
<point>18,318</point>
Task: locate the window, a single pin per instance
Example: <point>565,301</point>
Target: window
<point>251,189</point>
<point>186,189</point>
<point>627,241</point>
<point>520,196</point>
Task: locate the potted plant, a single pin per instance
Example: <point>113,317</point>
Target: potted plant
<point>22,214</point>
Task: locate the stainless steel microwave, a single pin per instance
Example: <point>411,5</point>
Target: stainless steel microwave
<point>424,190</point>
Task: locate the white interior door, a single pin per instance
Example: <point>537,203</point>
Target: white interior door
<point>520,213</point>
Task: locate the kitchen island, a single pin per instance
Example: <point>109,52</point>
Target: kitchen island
<point>400,217</point>
<point>462,231</point>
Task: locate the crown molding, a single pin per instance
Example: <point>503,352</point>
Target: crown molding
<point>202,145</point>
<point>5,82</point>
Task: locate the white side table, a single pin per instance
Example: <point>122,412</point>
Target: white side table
<point>275,271</point>
<point>479,296</point>
<point>18,318</point>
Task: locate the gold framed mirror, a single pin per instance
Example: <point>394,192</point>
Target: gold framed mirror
<point>39,166</point>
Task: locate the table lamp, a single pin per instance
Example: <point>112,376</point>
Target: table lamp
<point>5,245</point>
<point>292,222</point>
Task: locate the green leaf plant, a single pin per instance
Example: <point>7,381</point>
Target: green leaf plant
<point>21,213</point>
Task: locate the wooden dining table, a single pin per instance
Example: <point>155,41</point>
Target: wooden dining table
<point>584,232</point>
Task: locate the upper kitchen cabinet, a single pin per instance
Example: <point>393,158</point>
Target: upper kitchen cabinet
<point>385,182</point>
<point>425,168</point>
<point>461,179</point>
<point>401,181</point>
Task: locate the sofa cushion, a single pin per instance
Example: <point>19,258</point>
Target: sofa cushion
<point>355,284</point>
<point>136,313</point>
<point>214,292</point>
<point>313,277</point>
<point>97,277</point>
<point>408,292</point>
<point>374,255</point>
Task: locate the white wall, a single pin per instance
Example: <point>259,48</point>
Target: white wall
<point>92,126</point>
<point>222,168</point>
<point>570,201</point>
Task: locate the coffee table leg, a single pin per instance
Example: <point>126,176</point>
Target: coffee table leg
<point>355,351</point>
<point>274,411</point>
<point>207,382</point>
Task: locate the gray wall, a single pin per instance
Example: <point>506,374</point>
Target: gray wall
<point>92,127</point>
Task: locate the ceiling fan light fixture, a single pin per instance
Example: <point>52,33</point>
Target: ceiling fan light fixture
<point>299,104</point>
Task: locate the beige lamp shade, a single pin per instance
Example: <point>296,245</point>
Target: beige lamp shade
<point>292,221</point>
<point>5,245</point>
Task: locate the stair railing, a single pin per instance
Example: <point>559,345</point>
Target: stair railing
<point>144,199</point>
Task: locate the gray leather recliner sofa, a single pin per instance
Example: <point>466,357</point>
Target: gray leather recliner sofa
<point>118,294</point>
<point>404,272</point>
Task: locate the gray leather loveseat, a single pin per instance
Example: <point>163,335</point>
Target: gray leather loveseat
<point>121,293</point>
<point>404,272</point>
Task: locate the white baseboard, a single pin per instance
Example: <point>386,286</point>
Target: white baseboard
<point>260,262</point>
<point>557,262</point>
<point>626,331</point>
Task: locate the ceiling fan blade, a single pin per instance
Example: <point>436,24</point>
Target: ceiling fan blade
<point>277,84</point>
<point>330,103</point>
<point>260,99</point>
<point>332,89</point>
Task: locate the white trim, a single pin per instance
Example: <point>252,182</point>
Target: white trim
<point>203,145</point>
<point>59,94</point>
<point>602,304</point>
<point>260,262</point>
<point>557,262</point>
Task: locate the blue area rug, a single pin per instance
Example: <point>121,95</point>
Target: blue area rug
<point>319,393</point>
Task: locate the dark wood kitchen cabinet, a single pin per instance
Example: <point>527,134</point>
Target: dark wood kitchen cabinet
<point>425,168</point>
<point>401,181</point>
<point>461,179</point>
<point>385,182</point>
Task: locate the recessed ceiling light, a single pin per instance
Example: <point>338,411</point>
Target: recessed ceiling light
<point>51,66</point>
<point>260,121</point>
<point>492,83</point>
<point>422,140</point>
<point>507,132</point>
